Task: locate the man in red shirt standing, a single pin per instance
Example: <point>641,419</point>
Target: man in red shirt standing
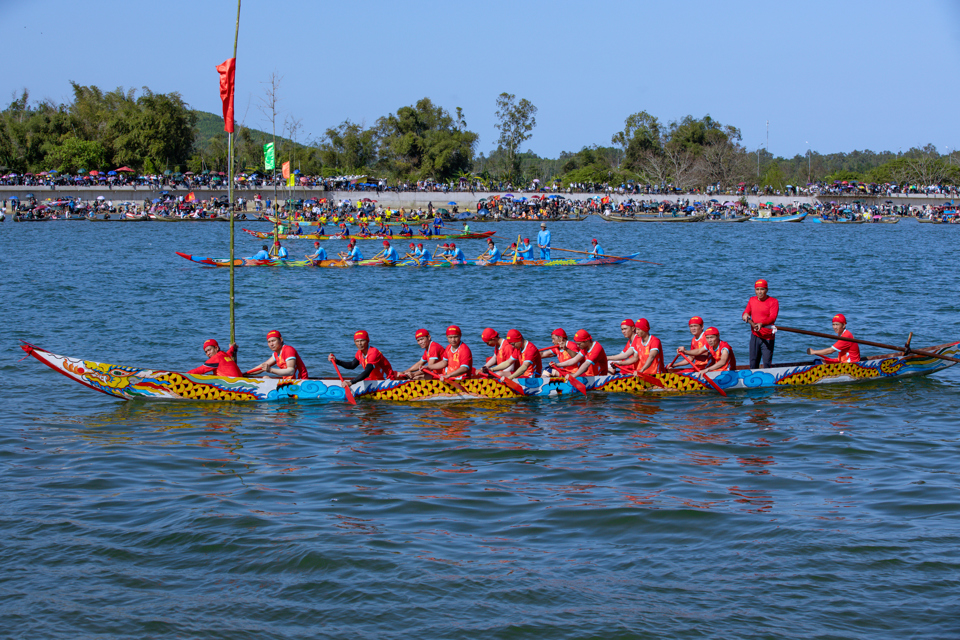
<point>760,314</point>
<point>846,351</point>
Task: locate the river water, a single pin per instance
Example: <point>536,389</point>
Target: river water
<point>813,512</point>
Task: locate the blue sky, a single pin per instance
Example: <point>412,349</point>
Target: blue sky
<point>839,76</point>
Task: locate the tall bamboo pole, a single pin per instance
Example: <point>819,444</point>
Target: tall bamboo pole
<point>233,327</point>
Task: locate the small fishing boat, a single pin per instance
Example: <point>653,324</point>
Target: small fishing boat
<point>797,217</point>
<point>266,235</point>
<point>407,262</point>
<point>734,219</point>
<point>669,217</point>
<point>133,383</point>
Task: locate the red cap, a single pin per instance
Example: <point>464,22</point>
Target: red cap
<point>643,324</point>
<point>527,240</point>
<point>559,332</point>
<point>454,330</point>
<point>316,243</point>
<point>413,244</point>
<point>420,245</point>
<point>274,334</point>
<point>696,320</point>
<point>594,241</point>
<point>361,335</point>
<point>453,246</point>
<point>445,245</point>
<point>514,336</point>
<point>712,331</point>
<point>628,322</point>
<point>276,243</point>
<point>211,343</point>
<point>582,336</point>
<point>760,283</point>
<point>513,244</point>
<point>840,318</point>
<point>386,243</point>
<point>421,333</point>
<point>489,334</point>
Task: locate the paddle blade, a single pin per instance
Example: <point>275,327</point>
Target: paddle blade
<point>512,384</point>
<point>651,380</point>
<point>579,386</point>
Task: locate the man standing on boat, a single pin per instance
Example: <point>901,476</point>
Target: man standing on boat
<point>761,314</point>
<point>285,361</point>
<point>375,364</point>
<point>543,241</point>
<point>457,361</point>
<point>219,363</point>
<point>432,354</point>
<point>720,351</point>
<point>846,351</point>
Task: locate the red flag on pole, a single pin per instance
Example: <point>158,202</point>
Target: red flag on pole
<point>286,170</point>
<point>227,72</point>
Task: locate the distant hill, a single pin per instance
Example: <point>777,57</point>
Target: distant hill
<point>210,125</point>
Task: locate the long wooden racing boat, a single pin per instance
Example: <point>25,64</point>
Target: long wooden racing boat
<point>408,262</point>
<point>132,383</point>
<point>667,217</point>
<point>798,217</point>
<point>265,235</point>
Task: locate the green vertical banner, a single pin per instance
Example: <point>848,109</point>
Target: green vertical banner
<point>269,162</point>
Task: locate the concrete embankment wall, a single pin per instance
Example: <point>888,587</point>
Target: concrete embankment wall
<point>420,199</point>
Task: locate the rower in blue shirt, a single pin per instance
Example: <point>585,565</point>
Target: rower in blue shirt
<point>425,230</point>
<point>525,250</point>
<point>423,255</point>
<point>319,253</point>
<point>543,241</point>
<point>456,254</point>
<point>405,230</point>
<point>597,250</point>
<point>260,255</point>
<point>492,254</point>
<point>344,229</point>
<point>389,253</point>
<point>279,251</point>
<point>353,252</point>
<point>384,230</point>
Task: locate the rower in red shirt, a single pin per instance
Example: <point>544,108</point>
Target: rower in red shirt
<point>698,351</point>
<point>531,364</point>
<point>761,314</point>
<point>564,349</point>
<point>219,363</point>
<point>504,356</point>
<point>594,357</point>
<point>285,361</point>
<point>649,349</point>
<point>847,351</point>
<point>457,362</point>
<point>375,364</point>
<point>626,360</point>
<point>720,351</point>
<point>432,353</point>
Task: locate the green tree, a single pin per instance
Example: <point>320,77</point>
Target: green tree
<point>515,122</point>
<point>349,148</point>
<point>73,154</point>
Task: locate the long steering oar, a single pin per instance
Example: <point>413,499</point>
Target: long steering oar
<point>704,375</point>
<point>346,387</point>
<point>906,350</point>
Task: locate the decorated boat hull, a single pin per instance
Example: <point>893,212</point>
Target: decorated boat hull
<point>130,383</point>
<point>379,262</point>
<point>794,218</point>
<point>266,235</point>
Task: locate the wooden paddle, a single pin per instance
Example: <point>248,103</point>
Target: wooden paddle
<point>906,350</point>
<point>346,387</point>
<point>576,384</point>
<point>453,383</point>
<point>703,375</point>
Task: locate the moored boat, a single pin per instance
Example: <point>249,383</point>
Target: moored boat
<point>671,217</point>
<point>132,383</point>
<point>798,217</point>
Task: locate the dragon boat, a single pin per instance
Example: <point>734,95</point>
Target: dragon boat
<point>266,235</point>
<point>131,383</point>
<point>408,262</point>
